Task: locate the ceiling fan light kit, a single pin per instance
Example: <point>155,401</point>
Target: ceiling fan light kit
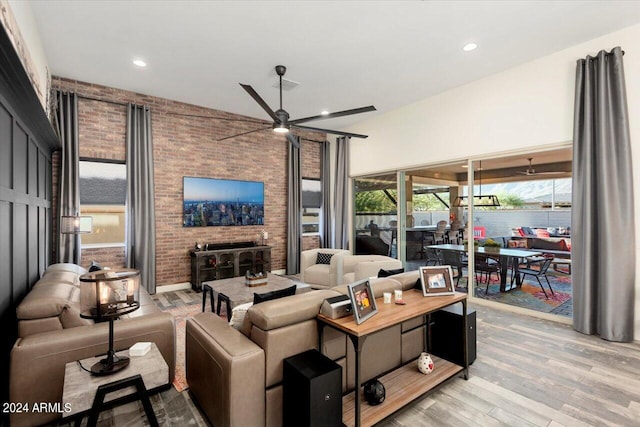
<point>282,124</point>
<point>531,171</point>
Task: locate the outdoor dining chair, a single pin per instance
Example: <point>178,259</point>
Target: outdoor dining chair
<point>433,256</point>
<point>485,265</point>
<point>537,273</point>
<point>440,235</point>
<point>455,234</point>
<point>454,259</point>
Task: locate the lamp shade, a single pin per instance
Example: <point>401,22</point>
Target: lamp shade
<point>76,224</point>
<point>484,200</point>
<point>108,294</point>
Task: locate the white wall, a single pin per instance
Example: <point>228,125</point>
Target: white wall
<point>526,107</point>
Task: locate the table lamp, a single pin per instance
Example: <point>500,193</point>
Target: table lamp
<point>104,296</point>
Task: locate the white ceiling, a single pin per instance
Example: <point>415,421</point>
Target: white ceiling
<point>344,54</point>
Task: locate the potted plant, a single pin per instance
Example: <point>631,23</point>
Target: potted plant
<point>491,245</point>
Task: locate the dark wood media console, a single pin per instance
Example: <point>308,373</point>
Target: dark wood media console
<point>225,260</point>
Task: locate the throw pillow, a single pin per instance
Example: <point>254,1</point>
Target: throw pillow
<point>323,258</point>
<point>94,267</point>
<point>238,313</point>
<point>520,243</point>
<point>387,273</point>
<point>258,298</point>
<point>528,231</point>
<point>541,233</point>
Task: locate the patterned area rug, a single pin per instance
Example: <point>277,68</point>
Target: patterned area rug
<point>529,295</point>
<point>181,314</point>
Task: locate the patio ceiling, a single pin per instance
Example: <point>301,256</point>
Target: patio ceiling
<point>547,164</point>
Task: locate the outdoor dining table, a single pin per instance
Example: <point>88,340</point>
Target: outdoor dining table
<point>503,254</point>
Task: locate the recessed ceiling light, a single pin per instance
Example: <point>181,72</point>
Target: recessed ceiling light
<point>139,63</point>
<point>464,166</point>
<point>324,112</point>
<point>469,47</point>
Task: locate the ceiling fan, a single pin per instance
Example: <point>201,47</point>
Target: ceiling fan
<point>281,122</point>
<point>531,171</point>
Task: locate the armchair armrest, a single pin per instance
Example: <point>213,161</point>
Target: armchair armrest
<point>225,372</point>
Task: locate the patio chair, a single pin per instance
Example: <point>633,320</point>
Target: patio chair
<point>433,256</point>
<point>440,235</point>
<point>454,259</point>
<point>455,234</point>
<point>485,265</point>
<point>537,273</point>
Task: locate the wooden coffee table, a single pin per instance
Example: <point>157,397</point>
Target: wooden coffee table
<point>233,291</point>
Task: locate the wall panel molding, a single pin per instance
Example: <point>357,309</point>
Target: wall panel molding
<point>26,143</point>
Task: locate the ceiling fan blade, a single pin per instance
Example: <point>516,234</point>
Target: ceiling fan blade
<point>334,115</point>
<point>337,132</point>
<point>243,133</point>
<point>295,142</point>
<point>261,101</point>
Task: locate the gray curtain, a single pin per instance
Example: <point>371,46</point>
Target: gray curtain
<point>341,205</point>
<point>66,116</point>
<point>294,209</point>
<point>325,206</point>
<point>141,222</point>
<point>602,223</point>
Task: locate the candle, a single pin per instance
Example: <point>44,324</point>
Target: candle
<point>104,292</point>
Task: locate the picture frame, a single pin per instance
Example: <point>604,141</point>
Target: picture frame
<point>362,300</point>
<point>437,280</point>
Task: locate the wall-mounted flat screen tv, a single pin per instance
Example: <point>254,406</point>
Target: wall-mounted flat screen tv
<point>222,202</point>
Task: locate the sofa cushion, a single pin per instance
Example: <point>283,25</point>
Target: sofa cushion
<point>66,266</point>
<point>559,245</point>
<point>285,311</point>
<point>349,277</point>
<point>46,300</point>
<point>268,296</point>
<point>386,273</point>
<point>324,258</point>
<point>59,276</point>
<point>407,279</point>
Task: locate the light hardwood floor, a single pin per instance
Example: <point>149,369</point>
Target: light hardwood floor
<point>529,372</point>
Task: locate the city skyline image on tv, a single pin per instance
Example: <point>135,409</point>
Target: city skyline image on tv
<point>222,202</point>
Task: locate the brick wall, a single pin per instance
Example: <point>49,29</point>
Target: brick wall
<point>187,146</point>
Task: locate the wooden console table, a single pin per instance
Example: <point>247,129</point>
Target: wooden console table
<point>227,262</point>
<point>404,384</point>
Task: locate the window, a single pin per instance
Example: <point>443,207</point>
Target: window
<point>311,202</point>
<point>103,189</point>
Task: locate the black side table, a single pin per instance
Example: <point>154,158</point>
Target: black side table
<point>206,288</point>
